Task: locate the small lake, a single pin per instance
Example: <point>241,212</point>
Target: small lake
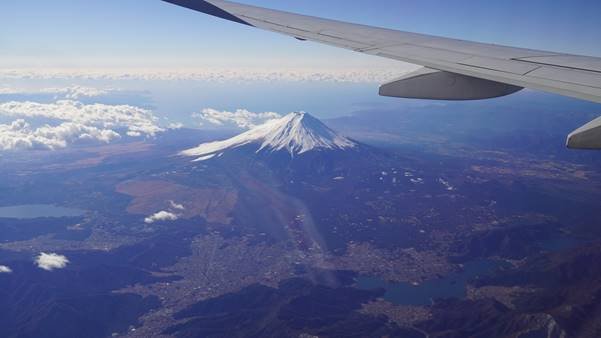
<point>32,211</point>
<point>451,286</point>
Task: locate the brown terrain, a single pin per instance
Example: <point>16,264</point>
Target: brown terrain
<point>213,204</point>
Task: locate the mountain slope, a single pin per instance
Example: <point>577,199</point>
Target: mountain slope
<point>296,133</point>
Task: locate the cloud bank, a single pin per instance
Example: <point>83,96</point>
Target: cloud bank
<point>240,118</point>
<point>51,261</point>
<point>75,121</point>
<point>5,269</point>
<point>102,115</point>
<point>347,75</point>
<point>161,216</point>
<point>76,92</point>
<point>71,93</point>
<point>19,135</point>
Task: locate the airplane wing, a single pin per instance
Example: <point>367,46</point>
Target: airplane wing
<point>453,69</point>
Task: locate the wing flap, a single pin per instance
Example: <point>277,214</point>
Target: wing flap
<point>483,49</point>
<point>427,53</point>
<point>573,76</point>
<point>567,61</point>
<point>508,66</point>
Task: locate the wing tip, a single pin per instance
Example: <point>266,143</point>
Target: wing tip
<point>586,137</point>
<point>208,8</point>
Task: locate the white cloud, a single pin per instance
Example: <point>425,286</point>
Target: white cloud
<point>175,125</point>
<point>134,133</point>
<point>76,92</point>
<point>176,205</point>
<point>100,115</point>
<point>51,261</point>
<point>5,269</point>
<point>72,92</point>
<point>6,91</point>
<point>161,216</point>
<point>75,121</point>
<point>19,135</point>
<point>345,75</point>
<point>241,118</point>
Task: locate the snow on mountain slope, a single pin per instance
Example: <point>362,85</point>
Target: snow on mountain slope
<point>296,133</point>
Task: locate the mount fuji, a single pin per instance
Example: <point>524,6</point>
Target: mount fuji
<point>296,133</point>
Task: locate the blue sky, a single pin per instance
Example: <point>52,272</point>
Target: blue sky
<point>151,33</point>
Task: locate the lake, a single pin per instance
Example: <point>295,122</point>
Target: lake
<point>451,286</point>
<point>32,211</point>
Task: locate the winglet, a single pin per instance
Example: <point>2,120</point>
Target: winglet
<point>208,8</point>
<point>587,136</point>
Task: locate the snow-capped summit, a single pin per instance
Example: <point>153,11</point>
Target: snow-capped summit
<point>296,133</point>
